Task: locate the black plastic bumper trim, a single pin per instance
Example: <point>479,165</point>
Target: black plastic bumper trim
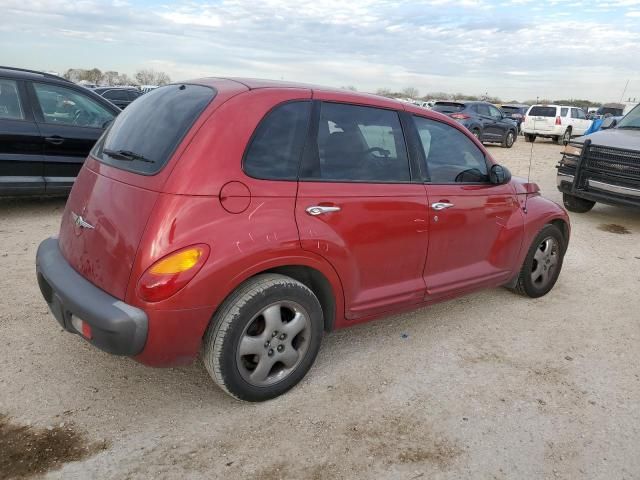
<point>116,327</point>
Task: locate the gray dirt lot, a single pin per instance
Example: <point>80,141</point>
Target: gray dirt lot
<point>488,386</point>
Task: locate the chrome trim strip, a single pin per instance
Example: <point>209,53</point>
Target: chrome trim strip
<point>614,188</point>
<point>564,177</point>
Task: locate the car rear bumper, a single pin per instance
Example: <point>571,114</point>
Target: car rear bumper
<point>115,327</point>
<point>555,131</point>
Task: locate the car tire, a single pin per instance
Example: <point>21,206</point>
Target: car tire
<point>542,264</point>
<point>577,204</point>
<point>555,139</point>
<point>264,337</point>
<point>566,138</point>
<point>509,139</point>
<point>529,138</point>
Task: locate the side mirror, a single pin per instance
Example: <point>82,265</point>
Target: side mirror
<point>499,175</point>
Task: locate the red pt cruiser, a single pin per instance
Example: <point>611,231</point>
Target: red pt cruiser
<point>247,217</point>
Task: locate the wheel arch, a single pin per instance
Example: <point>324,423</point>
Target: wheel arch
<point>564,229</point>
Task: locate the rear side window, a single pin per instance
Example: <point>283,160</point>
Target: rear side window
<point>144,136</point>
<point>116,95</point>
<point>359,144</point>
<point>10,107</point>
<point>451,156</point>
<point>276,147</point>
<point>563,112</point>
<point>448,107</point>
<point>542,112</point>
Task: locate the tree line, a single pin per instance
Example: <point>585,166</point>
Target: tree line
<point>113,78</point>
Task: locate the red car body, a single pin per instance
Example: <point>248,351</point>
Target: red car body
<point>384,252</point>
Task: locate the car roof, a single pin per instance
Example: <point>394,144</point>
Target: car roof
<point>25,74</point>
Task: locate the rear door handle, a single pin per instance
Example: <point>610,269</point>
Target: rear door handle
<point>55,140</point>
<point>441,205</point>
<point>316,210</point>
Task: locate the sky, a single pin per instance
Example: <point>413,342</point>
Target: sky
<point>514,49</point>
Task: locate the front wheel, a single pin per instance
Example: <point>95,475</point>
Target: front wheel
<point>566,138</point>
<point>543,263</point>
<point>509,139</point>
<point>264,338</point>
<point>577,204</point>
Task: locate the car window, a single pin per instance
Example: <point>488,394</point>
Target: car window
<point>362,144</point>
<point>64,106</point>
<point>483,109</point>
<point>540,111</point>
<point>631,119</point>
<point>133,94</point>
<point>580,114</point>
<point>494,112</point>
<point>276,147</point>
<point>10,107</point>
<point>448,107</point>
<point>116,95</point>
<point>451,156</point>
<point>144,136</point>
<point>563,112</point>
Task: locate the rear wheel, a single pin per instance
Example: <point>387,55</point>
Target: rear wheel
<point>509,139</point>
<point>577,204</point>
<point>264,338</point>
<point>543,263</point>
<point>529,138</point>
<point>555,139</point>
<point>566,138</point>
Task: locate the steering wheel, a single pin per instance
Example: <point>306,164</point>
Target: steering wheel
<point>81,118</point>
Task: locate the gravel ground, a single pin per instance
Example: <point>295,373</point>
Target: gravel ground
<point>488,386</point>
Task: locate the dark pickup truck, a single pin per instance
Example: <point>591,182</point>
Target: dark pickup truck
<point>602,167</point>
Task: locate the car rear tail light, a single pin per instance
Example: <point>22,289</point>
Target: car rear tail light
<point>558,121</point>
<point>460,116</point>
<point>172,273</point>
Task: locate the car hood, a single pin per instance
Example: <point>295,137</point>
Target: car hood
<point>614,137</point>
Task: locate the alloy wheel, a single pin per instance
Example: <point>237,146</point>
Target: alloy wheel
<point>273,343</point>
<point>545,262</point>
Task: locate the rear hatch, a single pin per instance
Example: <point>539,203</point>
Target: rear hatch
<point>114,194</point>
<point>541,117</point>
<point>512,112</point>
<point>448,107</point>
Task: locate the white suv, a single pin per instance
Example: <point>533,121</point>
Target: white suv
<point>555,122</point>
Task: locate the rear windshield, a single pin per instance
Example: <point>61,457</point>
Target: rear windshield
<point>542,112</point>
<point>144,136</point>
<point>512,109</point>
<point>448,107</point>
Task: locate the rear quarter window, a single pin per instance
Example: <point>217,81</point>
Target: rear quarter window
<point>144,136</point>
<point>542,112</point>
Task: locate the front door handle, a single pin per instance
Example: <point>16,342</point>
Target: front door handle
<point>441,205</point>
<point>319,210</point>
<point>55,140</point>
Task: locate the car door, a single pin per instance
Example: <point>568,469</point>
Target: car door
<point>475,227</point>
<point>358,207</point>
<point>70,122</point>
<point>21,150</point>
<point>489,128</point>
<point>501,124</point>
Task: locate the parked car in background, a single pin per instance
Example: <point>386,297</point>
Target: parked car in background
<point>266,215</point>
<point>557,122</point>
<point>47,127</point>
<point>147,88</point>
<point>515,112</point>
<point>119,96</point>
<point>611,109</point>
<point>603,167</point>
<point>484,120</point>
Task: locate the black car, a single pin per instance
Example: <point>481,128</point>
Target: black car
<point>47,128</point>
<point>515,112</point>
<point>602,167</point>
<point>483,119</point>
<point>119,96</point>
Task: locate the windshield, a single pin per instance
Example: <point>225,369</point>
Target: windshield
<point>540,111</point>
<point>145,135</point>
<point>631,120</point>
